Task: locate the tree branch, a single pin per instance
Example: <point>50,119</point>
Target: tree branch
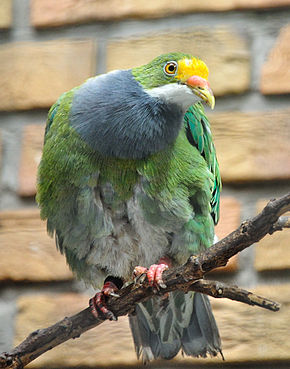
<point>222,290</point>
<point>187,277</point>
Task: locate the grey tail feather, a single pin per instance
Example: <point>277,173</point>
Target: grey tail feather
<point>161,327</point>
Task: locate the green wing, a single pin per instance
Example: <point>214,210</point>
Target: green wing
<point>199,135</point>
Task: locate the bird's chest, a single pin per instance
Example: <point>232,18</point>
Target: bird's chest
<point>142,208</point>
<point>160,185</point>
<point>138,229</point>
<point>148,202</point>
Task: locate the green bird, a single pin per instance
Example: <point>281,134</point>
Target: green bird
<point>129,183</point>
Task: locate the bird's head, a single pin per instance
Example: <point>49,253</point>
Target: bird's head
<point>176,77</point>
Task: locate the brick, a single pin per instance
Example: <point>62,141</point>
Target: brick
<point>233,62</point>
<point>275,78</point>
<point>5,14</point>
<point>46,69</point>
<point>248,333</point>
<point>27,253</point>
<point>230,215</point>
<point>272,252</point>
<point>58,13</point>
<point>31,151</point>
<point>260,4</point>
<point>252,146</point>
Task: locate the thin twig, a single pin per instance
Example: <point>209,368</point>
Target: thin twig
<point>188,276</point>
<point>222,290</point>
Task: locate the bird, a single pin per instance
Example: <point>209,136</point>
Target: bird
<point>129,185</point>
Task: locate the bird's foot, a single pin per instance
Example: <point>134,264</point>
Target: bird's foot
<point>98,302</point>
<point>154,274</point>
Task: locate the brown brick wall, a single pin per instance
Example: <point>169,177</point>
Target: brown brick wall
<point>275,77</point>
<point>34,74</point>
<point>253,146</point>
<point>56,13</point>
<point>273,253</point>
<point>27,253</point>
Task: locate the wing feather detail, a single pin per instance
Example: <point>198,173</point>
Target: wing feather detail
<point>199,135</point>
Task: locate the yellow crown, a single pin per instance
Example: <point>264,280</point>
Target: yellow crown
<point>191,67</point>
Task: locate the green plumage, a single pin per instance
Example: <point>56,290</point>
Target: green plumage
<point>199,127</point>
<point>69,169</point>
<point>110,213</point>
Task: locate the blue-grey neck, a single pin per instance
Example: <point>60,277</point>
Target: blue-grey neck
<point>117,118</point>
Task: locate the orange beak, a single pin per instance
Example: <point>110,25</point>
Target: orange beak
<point>201,88</point>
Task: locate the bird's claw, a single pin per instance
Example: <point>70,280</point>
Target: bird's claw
<point>98,302</point>
<point>113,294</point>
<point>139,275</point>
<point>153,274</point>
<point>139,270</point>
<point>140,279</point>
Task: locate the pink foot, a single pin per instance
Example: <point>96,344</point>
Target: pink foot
<point>98,302</point>
<point>138,270</point>
<point>154,273</point>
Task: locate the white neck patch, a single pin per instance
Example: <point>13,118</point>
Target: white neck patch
<point>175,93</point>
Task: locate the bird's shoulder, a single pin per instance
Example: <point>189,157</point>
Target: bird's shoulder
<point>59,111</point>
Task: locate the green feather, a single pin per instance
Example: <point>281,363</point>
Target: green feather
<point>177,185</point>
<point>198,130</point>
<point>70,171</point>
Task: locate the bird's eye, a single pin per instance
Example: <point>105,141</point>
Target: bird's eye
<point>170,68</point>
